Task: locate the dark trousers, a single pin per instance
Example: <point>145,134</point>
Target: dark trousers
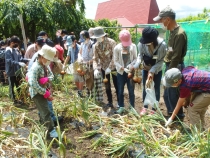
<point>44,111</point>
<point>13,82</point>
<point>2,76</point>
<point>157,81</point>
<point>108,86</point>
<point>122,80</point>
<point>171,96</point>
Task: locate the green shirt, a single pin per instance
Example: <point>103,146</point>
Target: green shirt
<point>177,47</point>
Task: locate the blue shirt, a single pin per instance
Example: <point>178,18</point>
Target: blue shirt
<point>73,53</point>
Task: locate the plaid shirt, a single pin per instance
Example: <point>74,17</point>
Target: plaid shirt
<point>36,72</point>
<point>104,52</point>
<point>195,80</point>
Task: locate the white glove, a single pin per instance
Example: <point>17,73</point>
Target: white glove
<point>22,64</point>
<point>130,67</point>
<point>126,70</point>
<point>108,71</point>
<point>96,74</point>
<point>169,122</point>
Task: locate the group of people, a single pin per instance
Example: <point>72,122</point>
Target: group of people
<point>96,57</point>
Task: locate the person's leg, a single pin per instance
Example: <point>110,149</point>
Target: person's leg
<point>121,83</point>
<point>115,82</point>
<point>42,106</point>
<point>131,86</point>
<point>52,114</point>
<point>11,87</point>
<point>144,78</point>
<point>157,81</point>
<point>108,88</point>
<point>197,110</point>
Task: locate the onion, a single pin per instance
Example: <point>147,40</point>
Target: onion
<point>79,70</point>
<point>105,80</point>
<point>62,72</point>
<point>135,79</point>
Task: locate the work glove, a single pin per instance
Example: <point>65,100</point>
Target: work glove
<point>22,64</point>
<point>43,80</point>
<point>169,122</point>
<point>108,71</point>
<point>96,73</point>
<point>130,67</point>
<point>47,94</point>
<point>126,70</point>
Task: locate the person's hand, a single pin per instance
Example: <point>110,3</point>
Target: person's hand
<point>22,64</point>
<point>126,70</point>
<point>122,68</point>
<point>108,71</point>
<point>169,122</point>
<point>96,74</point>
<point>50,98</point>
<point>43,80</point>
<point>47,94</point>
<point>130,67</point>
<point>150,76</point>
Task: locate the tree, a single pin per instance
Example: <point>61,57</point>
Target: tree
<point>48,15</point>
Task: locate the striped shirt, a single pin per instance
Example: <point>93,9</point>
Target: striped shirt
<point>194,80</point>
<point>36,72</point>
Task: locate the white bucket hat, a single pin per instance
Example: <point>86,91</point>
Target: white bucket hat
<point>48,52</point>
<point>98,32</point>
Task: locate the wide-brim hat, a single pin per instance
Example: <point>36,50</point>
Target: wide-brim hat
<point>149,35</point>
<point>48,52</point>
<point>98,32</point>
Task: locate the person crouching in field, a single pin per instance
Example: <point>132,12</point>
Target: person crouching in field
<point>190,80</point>
<point>36,79</point>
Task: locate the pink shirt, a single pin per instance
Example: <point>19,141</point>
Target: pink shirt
<point>31,50</point>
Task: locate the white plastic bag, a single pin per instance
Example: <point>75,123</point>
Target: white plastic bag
<point>70,69</point>
<point>150,98</point>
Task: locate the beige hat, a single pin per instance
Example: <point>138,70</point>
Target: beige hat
<point>48,52</point>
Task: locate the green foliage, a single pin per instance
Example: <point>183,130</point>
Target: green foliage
<point>200,16</point>
<point>112,28</point>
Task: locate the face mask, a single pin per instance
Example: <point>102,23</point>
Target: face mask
<point>15,45</point>
<point>47,63</point>
<point>99,39</point>
<point>163,27</point>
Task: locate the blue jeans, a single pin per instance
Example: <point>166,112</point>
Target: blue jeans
<point>157,81</point>
<point>171,97</point>
<point>121,81</point>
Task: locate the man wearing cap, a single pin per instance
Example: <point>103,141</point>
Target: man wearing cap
<point>152,50</point>
<point>103,52</point>
<point>190,80</point>
<point>125,55</point>
<point>177,48</point>
<point>33,48</point>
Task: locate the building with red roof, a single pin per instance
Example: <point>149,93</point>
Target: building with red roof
<point>128,12</point>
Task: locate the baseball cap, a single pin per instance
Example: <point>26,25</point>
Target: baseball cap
<point>149,35</point>
<point>61,51</point>
<point>125,38</point>
<point>171,76</point>
<point>42,33</point>
<point>40,40</point>
<point>68,40</point>
<point>166,12</point>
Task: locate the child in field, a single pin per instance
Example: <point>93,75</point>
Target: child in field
<point>37,77</point>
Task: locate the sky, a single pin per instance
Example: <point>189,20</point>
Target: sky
<point>182,8</point>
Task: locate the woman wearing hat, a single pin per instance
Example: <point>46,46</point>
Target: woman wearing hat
<point>152,50</point>
<point>37,79</point>
<point>125,55</point>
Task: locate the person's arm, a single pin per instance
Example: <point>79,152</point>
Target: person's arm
<point>33,81</point>
<point>159,63</point>
<point>50,74</point>
<point>113,44</point>
<point>116,58</point>
<point>179,43</point>
<point>66,60</point>
<point>179,104</point>
<point>9,59</point>
<point>95,58</point>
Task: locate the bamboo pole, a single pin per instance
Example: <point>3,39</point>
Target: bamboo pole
<point>23,31</point>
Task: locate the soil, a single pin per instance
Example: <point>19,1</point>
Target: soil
<point>76,149</point>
